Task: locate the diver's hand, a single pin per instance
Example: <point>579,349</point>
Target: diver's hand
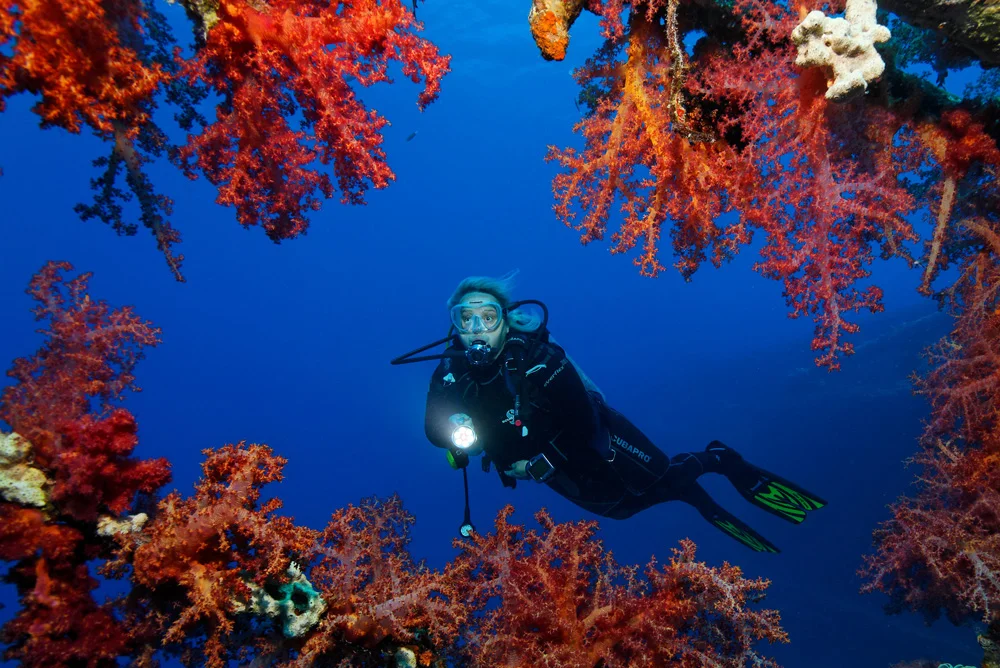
<point>460,419</point>
<point>519,470</point>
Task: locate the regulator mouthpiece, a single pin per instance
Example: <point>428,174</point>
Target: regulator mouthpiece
<point>478,353</point>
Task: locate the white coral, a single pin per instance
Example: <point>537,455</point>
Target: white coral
<point>847,45</point>
<point>406,658</point>
<point>19,481</point>
<point>109,526</point>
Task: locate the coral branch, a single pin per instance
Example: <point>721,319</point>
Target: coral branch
<point>940,551</point>
<point>78,468</point>
<point>731,141</point>
<point>84,367</point>
<point>271,64</point>
<point>662,177</point>
<point>562,597</point>
<point>962,149</point>
<point>274,65</point>
<point>195,561</point>
<point>963,386</point>
<point>374,589</point>
<point>75,56</point>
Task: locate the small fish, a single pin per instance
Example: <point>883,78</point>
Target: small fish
<point>412,135</point>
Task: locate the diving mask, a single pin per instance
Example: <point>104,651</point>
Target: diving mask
<point>476,317</point>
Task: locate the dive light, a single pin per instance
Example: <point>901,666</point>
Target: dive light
<point>463,435</point>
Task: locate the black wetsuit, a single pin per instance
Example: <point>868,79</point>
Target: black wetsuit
<point>603,462</point>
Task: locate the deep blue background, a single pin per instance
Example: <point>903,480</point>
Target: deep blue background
<point>289,345</point>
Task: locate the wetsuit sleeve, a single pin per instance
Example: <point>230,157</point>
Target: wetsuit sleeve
<point>562,389</point>
<point>443,401</point>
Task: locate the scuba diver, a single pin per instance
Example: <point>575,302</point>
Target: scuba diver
<point>504,388</point>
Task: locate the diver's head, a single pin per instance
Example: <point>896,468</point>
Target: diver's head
<point>478,310</point>
<point>481,324</point>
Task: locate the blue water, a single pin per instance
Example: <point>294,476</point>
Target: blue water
<point>290,344</point>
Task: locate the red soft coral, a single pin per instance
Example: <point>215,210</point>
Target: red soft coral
<point>375,591</point>
<point>93,471</point>
<point>84,366</point>
<point>732,139</point>
<point>564,602</point>
<point>59,623</point>
<point>830,194</point>
<point>76,56</point>
<point>195,562</point>
<point>940,552</point>
<point>634,150</point>
<point>273,63</point>
<point>63,404</point>
<point>287,72</point>
<point>963,385</point>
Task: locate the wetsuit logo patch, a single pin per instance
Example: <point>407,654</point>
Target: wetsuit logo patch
<point>448,380</point>
<point>510,417</point>
<point>628,447</point>
<point>555,373</point>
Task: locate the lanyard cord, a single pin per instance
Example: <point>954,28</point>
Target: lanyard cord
<point>467,520</point>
